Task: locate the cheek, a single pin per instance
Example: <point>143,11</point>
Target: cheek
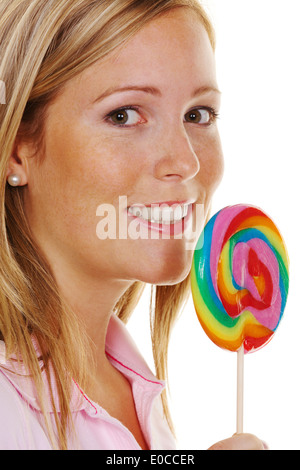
<point>215,171</point>
<point>87,166</point>
<point>109,171</point>
<point>211,164</point>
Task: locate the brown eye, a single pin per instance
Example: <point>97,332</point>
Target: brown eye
<point>199,116</point>
<point>125,117</point>
<point>119,117</point>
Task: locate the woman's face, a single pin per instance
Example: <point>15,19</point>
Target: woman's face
<point>139,124</point>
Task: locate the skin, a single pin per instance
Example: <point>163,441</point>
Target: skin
<point>89,160</point>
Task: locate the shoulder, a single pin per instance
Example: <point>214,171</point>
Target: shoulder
<point>9,400</point>
<point>12,413</point>
<point>18,420</point>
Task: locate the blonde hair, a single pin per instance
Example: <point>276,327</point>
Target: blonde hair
<point>44,44</point>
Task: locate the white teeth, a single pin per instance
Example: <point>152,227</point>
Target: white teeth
<point>144,213</point>
<point>157,214</point>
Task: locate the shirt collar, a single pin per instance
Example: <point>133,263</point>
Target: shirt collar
<point>121,351</point>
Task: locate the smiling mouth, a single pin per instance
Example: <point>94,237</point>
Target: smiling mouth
<point>164,214</point>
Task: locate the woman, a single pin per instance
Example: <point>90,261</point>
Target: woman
<point>104,99</point>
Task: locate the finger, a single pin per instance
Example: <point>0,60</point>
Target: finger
<point>240,442</point>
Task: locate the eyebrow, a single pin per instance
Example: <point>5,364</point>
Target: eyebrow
<point>153,91</point>
<point>145,89</point>
<point>206,89</point>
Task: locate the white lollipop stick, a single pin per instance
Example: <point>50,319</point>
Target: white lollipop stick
<point>240,390</point>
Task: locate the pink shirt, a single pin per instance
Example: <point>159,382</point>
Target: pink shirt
<point>21,420</point>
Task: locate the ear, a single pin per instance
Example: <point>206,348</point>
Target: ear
<point>18,161</point>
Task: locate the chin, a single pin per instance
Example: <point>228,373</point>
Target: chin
<point>166,275</point>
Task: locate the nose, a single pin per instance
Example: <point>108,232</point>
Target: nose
<point>177,158</point>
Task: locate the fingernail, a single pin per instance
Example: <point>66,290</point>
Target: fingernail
<point>266,447</point>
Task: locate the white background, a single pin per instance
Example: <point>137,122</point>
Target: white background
<point>258,73</point>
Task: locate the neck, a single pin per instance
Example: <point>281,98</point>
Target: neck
<point>93,301</point>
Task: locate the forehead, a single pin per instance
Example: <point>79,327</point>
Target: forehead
<point>172,48</point>
<point>178,34</point>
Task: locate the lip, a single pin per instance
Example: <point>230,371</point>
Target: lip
<point>170,229</point>
<point>165,203</point>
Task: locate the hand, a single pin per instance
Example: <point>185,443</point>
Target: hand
<point>240,442</point>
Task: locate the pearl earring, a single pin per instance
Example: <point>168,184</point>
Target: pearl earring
<point>14,180</point>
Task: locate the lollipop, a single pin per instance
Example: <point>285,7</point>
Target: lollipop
<point>240,280</point>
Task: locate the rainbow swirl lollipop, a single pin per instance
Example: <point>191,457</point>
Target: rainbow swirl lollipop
<point>240,278</point>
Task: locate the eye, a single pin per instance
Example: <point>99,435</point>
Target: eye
<point>201,116</point>
<point>124,117</point>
